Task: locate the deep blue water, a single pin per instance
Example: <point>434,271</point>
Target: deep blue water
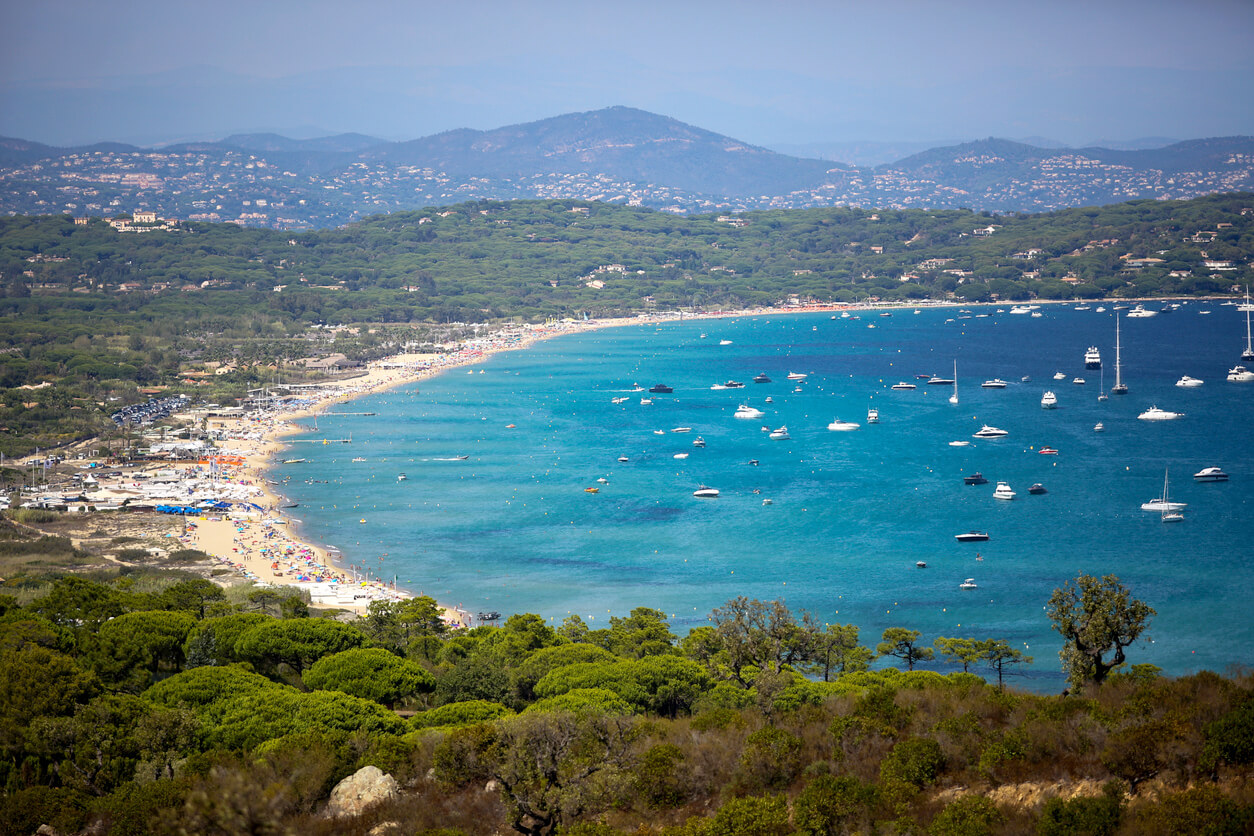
<point>512,528</point>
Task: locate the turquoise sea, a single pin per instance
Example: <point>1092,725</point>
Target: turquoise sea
<point>512,529</point>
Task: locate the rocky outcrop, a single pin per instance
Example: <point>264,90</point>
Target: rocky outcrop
<point>363,789</point>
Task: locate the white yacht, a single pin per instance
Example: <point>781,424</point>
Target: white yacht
<point>990,432</point>
<point>1156,414</point>
<point>1162,503</point>
<point>872,416</point>
<point>1210,474</point>
<point>969,583</point>
<point>1079,381</point>
<point>682,430</point>
<point>1020,309</point>
<point>746,411</point>
<point>1187,382</point>
<point>1049,401</point>
<point>1099,427</point>
<point>1060,376</point>
<point>1240,374</point>
<point>902,386</point>
<point>1141,312</point>
<point>843,426</point>
<point>796,376</point>
<point>1248,353</point>
<point>1092,358</point>
<point>706,493</point>
<point>780,434</point>
<point>995,383</point>
<point>1003,491</point>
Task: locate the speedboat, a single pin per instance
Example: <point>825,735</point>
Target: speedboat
<point>1079,381</point>
<point>680,456</point>
<point>922,564</point>
<point>1003,491</point>
<point>780,434</point>
<point>842,426</point>
<point>1210,474</point>
<point>401,477</point>
<point>990,432</point>
<point>1059,376</point>
<point>995,383</point>
<point>1188,382</point>
<point>591,490</point>
<point>1037,489</point>
<point>1099,427</point>
<point>937,380</point>
<point>1092,358</point>
<point>1049,400</point>
<point>976,478</point>
<point>872,416</point>
<point>746,411</point>
<point>618,400</point>
<point>661,389</point>
<point>733,384</point>
<point>902,386</point>
<point>698,442</point>
<point>960,444</point>
<point>646,401</point>
<point>796,376</point>
<point>724,342</point>
<point>971,537</point>
<point>706,493</point>
<point>1020,309</point>
<point>682,430</point>
<point>969,583</point>
<point>769,399</point>
<point>1240,374</point>
<point>1156,414</point>
<point>623,459</point>
<point>762,378</point>
<point>1047,451</point>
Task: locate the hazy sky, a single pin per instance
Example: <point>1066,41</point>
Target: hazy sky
<point>766,72</point>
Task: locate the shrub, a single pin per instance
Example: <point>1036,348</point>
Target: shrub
<point>916,761</point>
<point>1200,811</point>
<point>971,815</point>
<point>661,776</point>
<point>1082,816</point>
<point>771,759</point>
<point>831,805</point>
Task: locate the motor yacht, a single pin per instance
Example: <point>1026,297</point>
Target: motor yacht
<point>680,456</point>
<point>971,537</point>
<point>1047,451</point>
<point>843,426</point>
<point>762,378</point>
<point>1037,489</point>
<point>1141,312</point>
<point>796,376</point>
<point>1092,358</point>
<point>1156,414</point>
<point>903,385</point>
<point>937,380</point>
<point>872,416</point>
<point>1099,427</point>
<point>995,383</point>
<point>1210,474</point>
<point>1060,376</point>
<point>1003,491</point>
<point>976,478</point>
<point>682,430</point>
<point>1079,381</point>
<point>706,493</point>
<point>746,411</point>
<point>661,389</point>
<point>698,442</point>
<point>990,432</point>
<point>1240,374</point>
<point>780,434</point>
<point>1049,401</point>
<point>1187,382</point>
<point>969,583</point>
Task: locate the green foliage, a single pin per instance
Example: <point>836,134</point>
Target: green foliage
<point>666,685</point>
<point>213,640</point>
<point>38,682</point>
<point>1199,811</point>
<point>580,700</point>
<point>199,688</point>
<point>457,714</point>
<point>751,816</point>
<point>24,811</point>
<point>903,644</point>
<point>1230,739</point>
<point>136,645</point>
<point>79,603</point>
<point>662,776</point>
<point>370,673</point>
<point>297,643</point>
<point>466,755</point>
<point>1096,616</point>
<point>832,805</point>
<point>971,815</point>
<point>771,759</point>
<point>916,761</point>
<point>547,659</point>
<point>1082,815</point>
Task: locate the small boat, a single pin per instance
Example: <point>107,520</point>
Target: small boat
<point>995,383</point>
<point>1025,379</point>
<point>618,400</point>
<point>698,442</point>
<point>1003,491</point>
<point>767,502</point>
<point>937,380</point>
<point>682,430</point>
<point>769,399</point>
<point>1163,503</point>
<point>842,426</point>
<point>1187,382</point>
<point>1156,414</point>
<point>976,478</point>
<point>960,444</point>
<point>1020,309</point>
<point>969,583</point>
<point>401,478</point>
<point>922,564</point>
<point>1248,353</point>
<point>780,434</point>
<point>724,342</point>
<point>1099,427</point>
<point>680,456</point>
<point>872,416</point>
<point>745,411</point>
<point>1210,474</point>
<point>591,490</point>
<point>1092,358</point>
<point>954,397</point>
<point>1240,374</point>
<point>706,493</point>
<point>646,401</point>
<point>990,432</point>
<point>294,461</point>
<point>902,386</point>
<point>659,432</point>
<point>1078,381</point>
<point>754,462</point>
<point>603,480</point>
<point>762,378</point>
<point>796,376</point>
<point>1049,401</point>
<point>1047,451</point>
<point>732,384</point>
<point>623,458</point>
<point>971,537</point>
<point>1059,376</point>
<point>1037,489</point>
<point>1120,388</point>
<point>661,389</point>
<point>359,459</point>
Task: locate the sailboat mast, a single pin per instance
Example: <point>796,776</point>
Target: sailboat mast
<point>1119,388</point>
<point>954,397</point>
<point>1248,354</point>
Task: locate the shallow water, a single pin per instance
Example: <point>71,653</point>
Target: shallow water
<point>512,528</point>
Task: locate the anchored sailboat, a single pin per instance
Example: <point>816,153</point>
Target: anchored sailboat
<point>1120,388</point>
<point>954,397</point>
<point>1248,354</point>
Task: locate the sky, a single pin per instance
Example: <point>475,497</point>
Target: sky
<point>777,74</point>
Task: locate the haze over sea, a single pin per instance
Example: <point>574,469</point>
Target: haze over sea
<point>512,529</point>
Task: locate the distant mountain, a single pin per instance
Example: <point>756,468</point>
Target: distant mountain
<point>621,143</point>
<point>616,155</point>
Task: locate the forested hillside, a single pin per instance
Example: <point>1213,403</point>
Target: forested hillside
<point>133,703</point>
